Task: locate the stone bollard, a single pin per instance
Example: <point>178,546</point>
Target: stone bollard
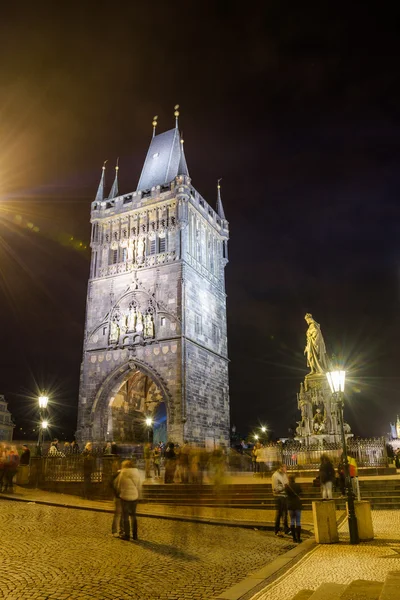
<point>364,519</point>
<point>325,527</point>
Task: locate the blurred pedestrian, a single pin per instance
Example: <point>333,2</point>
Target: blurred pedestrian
<point>294,504</point>
<point>11,466</point>
<point>326,477</point>
<point>25,455</point>
<point>279,481</point>
<point>117,526</point>
<point>88,465</point>
<point>170,463</point>
<point>2,465</point>
<point>184,461</point>
<point>128,486</point>
<point>147,460</point>
<point>156,462</point>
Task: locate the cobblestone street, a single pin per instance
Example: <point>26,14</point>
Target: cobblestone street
<point>60,553</point>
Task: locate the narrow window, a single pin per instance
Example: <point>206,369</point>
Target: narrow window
<point>124,254</point>
<point>162,244</point>
<point>113,258</point>
<point>197,324</point>
<point>152,246</point>
<point>162,321</point>
<point>215,335</point>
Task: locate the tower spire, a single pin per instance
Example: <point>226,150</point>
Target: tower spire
<point>114,190</point>
<point>183,169</point>
<point>176,113</point>
<point>100,189</point>
<point>154,124</point>
<point>220,208</point>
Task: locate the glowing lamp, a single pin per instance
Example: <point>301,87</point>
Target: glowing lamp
<point>43,400</point>
<point>336,381</point>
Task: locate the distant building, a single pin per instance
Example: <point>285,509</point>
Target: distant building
<point>6,424</point>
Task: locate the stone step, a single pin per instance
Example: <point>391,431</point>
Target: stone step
<point>303,595</point>
<point>391,586</point>
<point>362,589</point>
<point>328,591</point>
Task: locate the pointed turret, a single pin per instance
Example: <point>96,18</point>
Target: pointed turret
<point>100,189</point>
<point>183,169</point>
<point>114,190</point>
<point>220,208</point>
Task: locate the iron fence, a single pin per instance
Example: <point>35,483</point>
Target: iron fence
<point>298,457</point>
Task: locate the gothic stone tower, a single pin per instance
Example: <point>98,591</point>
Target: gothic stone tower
<point>155,335</point>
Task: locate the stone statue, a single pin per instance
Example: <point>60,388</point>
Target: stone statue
<point>131,247</point>
<point>315,347</point>
<point>139,322</point>
<point>318,420</point>
<point>140,249</point>
<point>114,331</point>
<point>149,325</point>
<point>132,318</point>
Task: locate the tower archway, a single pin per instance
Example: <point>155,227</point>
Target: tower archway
<point>131,394</point>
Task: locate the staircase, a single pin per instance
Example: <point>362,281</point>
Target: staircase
<point>360,589</point>
<point>383,494</point>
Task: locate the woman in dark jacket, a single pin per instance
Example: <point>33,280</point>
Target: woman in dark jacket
<point>327,477</point>
<point>294,504</point>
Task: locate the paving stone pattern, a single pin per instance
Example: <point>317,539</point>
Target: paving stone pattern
<point>343,563</point>
<point>62,554</point>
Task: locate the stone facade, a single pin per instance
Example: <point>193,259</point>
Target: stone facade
<point>6,424</point>
<point>156,308</point>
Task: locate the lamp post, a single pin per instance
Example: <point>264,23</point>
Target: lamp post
<point>43,401</point>
<point>336,381</point>
<point>149,423</point>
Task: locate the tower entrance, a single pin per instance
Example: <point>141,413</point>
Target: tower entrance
<point>139,398</point>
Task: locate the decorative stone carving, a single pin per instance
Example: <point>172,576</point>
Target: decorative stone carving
<point>148,326</point>
<point>114,331</point>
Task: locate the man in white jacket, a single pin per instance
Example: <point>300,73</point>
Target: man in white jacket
<point>128,488</point>
<point>279,481</point>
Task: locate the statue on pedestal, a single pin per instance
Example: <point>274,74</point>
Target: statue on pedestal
<point>315,347</point>
<point>114,331</point>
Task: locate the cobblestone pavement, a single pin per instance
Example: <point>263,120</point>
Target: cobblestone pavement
<point>57,553</point>
<point>243,515</point>
<point>342,563</point>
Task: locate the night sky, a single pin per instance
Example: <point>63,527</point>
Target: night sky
<point>295,105</point>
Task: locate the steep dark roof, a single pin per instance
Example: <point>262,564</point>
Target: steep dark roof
<point>164,161</point>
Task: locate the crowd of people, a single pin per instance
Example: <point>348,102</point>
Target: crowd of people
<point>287,492</point>
<point>10,460</point>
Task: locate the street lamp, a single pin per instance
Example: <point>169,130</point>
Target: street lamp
<point>43,401</point>
<point>149,423</point>
<point>255,436</point>
<point>336,380</point>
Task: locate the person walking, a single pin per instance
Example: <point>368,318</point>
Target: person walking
<point>128,488</point>
<point>170,463</point>
<point>156,462</point>
<point>294,503</point>
<point>279,481</point>
<point>117,526</point>
<point>326,477</point>
<point>88,466</point>
<point>147,459</point>
<point>11,467</point>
